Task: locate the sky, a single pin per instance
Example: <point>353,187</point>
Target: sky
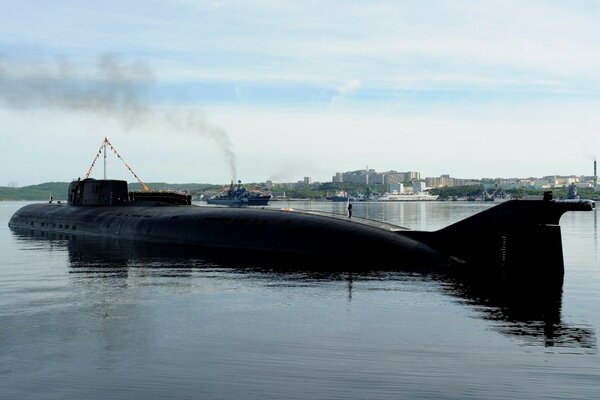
<point>210,91</point>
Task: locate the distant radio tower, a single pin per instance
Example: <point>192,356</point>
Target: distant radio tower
<point>595,176</point>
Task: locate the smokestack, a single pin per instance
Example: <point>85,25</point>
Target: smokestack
<point>595,176</point>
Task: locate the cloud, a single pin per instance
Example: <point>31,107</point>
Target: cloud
<point>456,64</point>
<point>393,45</point>
<point>349,87</point>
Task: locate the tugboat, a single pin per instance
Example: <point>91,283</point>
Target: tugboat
<point>240,196</point>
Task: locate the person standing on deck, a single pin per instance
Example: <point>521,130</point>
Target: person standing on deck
<point>349,207</point>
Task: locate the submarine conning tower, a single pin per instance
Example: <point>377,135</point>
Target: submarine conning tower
<point>107,192</point>
<point>92,192</point>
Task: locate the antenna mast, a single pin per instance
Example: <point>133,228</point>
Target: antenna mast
<point>105,142</point>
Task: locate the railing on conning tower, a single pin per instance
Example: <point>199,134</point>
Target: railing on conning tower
<point>102,149</point>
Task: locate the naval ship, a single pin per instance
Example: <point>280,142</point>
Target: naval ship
<point>239,196</point>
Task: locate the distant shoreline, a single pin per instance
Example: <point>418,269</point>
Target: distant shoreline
<point>58,191</point>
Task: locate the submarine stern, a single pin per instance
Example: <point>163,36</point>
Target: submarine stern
<point>519,238</point>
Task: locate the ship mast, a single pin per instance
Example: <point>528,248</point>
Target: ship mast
<point>102,149</point>
<point>104,145</point>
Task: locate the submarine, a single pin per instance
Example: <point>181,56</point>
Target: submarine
<point>521,237</point>
<point>515,232</point>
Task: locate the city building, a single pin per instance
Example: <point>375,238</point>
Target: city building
<point>396,187</point>
<point>418,186</point>
<point>441,181</point>
<point>393,180</point>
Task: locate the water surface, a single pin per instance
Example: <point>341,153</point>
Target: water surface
<point>97,320</point>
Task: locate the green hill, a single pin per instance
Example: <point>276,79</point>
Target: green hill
<point>59,190</point>
<point>36,192</point>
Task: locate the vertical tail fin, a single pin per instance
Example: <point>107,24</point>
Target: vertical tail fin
<point>517,235</point>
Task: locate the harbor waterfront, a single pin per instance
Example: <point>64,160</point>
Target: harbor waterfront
<point>108,320</point>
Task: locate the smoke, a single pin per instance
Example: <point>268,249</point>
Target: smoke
<point>194,122</point>
<point>115,89</point>
<point>293,168</point>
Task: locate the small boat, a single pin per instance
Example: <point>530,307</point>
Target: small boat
<point>239,196</point>
<point>340,196</point>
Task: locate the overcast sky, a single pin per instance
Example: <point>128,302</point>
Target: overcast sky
<point>208,91</point>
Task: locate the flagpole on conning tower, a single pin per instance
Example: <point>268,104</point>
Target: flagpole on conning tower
<point>105,141</point>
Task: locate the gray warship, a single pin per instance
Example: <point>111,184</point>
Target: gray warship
<point>238,195</point>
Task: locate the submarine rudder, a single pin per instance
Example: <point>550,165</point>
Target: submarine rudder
<point>520,237</point>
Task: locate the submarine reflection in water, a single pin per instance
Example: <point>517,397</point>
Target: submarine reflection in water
<point>518,308</point>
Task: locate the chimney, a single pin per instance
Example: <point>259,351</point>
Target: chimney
<point>595,176</point>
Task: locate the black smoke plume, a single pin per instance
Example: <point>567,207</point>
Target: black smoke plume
<point>115,89</point>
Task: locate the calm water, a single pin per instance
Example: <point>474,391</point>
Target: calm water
<point>101,321</point>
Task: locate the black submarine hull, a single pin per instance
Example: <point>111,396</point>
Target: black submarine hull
<point>514,236</point>
<point>253,230</point>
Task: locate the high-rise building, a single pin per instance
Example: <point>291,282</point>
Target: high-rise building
<point>410,176</point>
<point>418,186</point>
